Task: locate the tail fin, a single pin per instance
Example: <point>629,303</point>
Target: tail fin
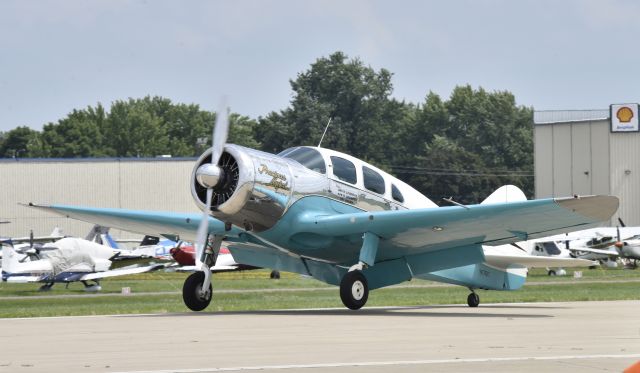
<point>100,235</point>
<point>108,240</point>
<point>57,232</point>
<point>504,194</point>
<point>9,258</point>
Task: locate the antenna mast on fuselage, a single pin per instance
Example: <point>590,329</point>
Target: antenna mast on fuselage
<point>325,131</point>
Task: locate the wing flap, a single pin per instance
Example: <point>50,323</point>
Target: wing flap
<point>531,261</point>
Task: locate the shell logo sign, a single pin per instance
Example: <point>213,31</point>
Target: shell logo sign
<point>624,118</point>
<point>624,114</point>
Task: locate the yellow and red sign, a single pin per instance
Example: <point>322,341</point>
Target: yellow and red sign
<point>624,118</point>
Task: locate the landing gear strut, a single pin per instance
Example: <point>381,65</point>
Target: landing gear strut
<point>473,300</point>
<point>197,290</point>
<point>91,287</point>
<point>354,290</point>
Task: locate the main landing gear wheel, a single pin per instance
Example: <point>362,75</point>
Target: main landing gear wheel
<point>192,292</point>
<point>275,275</point>
<point>354,290</point>
<point>473,300</point>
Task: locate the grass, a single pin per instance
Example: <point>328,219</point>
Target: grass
<point>294,291</point>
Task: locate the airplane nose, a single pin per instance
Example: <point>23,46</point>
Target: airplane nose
<point>208,175</point>
<point>619,245</point>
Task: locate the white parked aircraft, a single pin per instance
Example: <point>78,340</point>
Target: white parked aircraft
<point>66,260</point>
<point>328,215</point>
<point>609,242</point>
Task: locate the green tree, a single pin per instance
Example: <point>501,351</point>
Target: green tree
<point>77,135</point>
<point>15,143</point>
<point>356,98</point>
<point>469,145</point>
<point>133,130</point>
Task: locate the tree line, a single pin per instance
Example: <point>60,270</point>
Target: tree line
<point>462,147</point>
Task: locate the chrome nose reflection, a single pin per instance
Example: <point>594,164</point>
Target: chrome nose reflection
<point>208,175</point>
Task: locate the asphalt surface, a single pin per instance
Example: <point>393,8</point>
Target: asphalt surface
<point>526,337</point>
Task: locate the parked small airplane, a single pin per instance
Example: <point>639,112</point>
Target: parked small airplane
<point>613,246</point>
<point>550,247</point>
<point>328,215</point>
<point>164,249</point>
<point>66,260</point>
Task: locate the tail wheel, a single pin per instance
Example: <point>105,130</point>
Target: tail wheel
<point>192,293</point>
<point>354,290</point>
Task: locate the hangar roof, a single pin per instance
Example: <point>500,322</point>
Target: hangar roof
<point>97,160</point>
<point>564,116</point>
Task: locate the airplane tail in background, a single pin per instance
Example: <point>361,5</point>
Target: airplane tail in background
<point>504,194</point>
<point>101,235</point>
<point>9,258</point>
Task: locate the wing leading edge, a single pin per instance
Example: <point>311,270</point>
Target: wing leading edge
<point>183,225</point>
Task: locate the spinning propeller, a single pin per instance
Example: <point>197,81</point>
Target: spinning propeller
<point>619,244</point>
<point>210,175</point>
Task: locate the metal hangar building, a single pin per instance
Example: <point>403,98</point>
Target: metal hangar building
<point>582,152</point>
<point>160,184</point>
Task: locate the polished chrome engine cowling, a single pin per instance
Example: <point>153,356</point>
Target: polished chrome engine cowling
<point>253,191</point>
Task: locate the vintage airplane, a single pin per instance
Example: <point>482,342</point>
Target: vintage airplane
<point>66,260</point>
<point>328,215</point>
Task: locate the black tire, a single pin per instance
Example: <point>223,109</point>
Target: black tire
<point>473,300</point>
<point>354,290</point>
<point>275,275</point>
<point>191,292</point>
<point>552,272</point>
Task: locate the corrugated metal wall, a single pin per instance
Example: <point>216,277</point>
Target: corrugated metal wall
<point>586,158</point>
<point>151,184</point>
<point>625,174</point>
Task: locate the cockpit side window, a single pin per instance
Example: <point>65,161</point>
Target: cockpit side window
<point>372,180</point>
<point>552,248</point>
<point>395,194</point>
<point>308,157</point>
<point>344,170</point>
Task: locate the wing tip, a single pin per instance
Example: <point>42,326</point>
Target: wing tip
<point>597,208</point>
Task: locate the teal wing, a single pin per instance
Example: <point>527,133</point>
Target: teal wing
<point>183,225</point>
<point>406,232</point>
<point>315,239</point>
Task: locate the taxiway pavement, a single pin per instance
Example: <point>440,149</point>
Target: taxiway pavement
<point>531,337</point>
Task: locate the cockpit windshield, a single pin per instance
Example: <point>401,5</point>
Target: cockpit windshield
<point>308,157</point>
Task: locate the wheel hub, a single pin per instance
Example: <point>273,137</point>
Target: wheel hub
<point>202,295</point>
<point>357,290</point>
